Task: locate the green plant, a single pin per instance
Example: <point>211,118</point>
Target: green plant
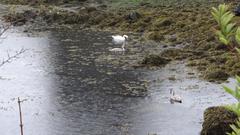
<point>223,17</point>
<point>237,38</point>
<point>235,128</point>
<point>236,94</point>
<point>234,107</point>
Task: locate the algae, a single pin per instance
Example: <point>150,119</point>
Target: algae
<point>191,27</point>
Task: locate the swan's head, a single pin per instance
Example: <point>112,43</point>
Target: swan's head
<point>125,36</point>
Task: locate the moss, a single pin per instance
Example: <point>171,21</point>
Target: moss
<point>157,36</point>
<point>216,75</point>
<point>163,22</point>
<point>217,121</point>
<point>176,54</point>
<point>154,60</point>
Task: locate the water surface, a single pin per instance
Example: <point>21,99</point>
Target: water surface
<point>70,91</point>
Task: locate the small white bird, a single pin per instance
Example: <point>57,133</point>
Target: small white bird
<point>175,98</point>
<point>120,39</point>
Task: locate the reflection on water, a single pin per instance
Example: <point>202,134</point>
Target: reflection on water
<point>68,92</point>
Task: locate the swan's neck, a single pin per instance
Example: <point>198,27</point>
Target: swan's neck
<point>123,45</point>
<point>172,92</point>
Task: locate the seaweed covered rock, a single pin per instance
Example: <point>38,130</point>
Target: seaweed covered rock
<point>217,121</point>
<point>133,16</point>
<point>163,22</point>
<point>156,36</point>
<point>155,60</point>
<point>216,75</point>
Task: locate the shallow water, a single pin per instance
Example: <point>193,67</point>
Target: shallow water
<point>69,91</point>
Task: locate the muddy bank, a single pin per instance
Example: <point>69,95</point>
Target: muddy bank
<point>190,28</point>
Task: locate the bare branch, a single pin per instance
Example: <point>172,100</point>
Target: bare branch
<point>10,58</point>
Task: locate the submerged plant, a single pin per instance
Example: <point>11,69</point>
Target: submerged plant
<point>224,17</point>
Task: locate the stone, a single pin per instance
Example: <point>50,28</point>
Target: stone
<point>133,16</point>
<point>237,10</point>
<point>155,60</point>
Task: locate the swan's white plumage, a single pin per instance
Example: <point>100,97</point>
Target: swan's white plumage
<point>117,39</point>
<point>175,98</point>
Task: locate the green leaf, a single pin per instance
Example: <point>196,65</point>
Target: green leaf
<point>238,50</point>
<point>237,77</point>
<point>237,36</point>
<point>216,17</point>
<point>230,28</point>
<point>224,40</point>
<point>228,90</point>
<point>226,18</point>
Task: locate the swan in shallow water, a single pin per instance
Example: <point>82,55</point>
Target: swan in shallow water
<point>175,98</point>
<point>119,40</point>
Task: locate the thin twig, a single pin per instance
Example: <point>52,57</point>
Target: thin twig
<point>5,28</point>
<point>10,58</point>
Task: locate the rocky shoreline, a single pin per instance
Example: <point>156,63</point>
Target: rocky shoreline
<point>190,28</point>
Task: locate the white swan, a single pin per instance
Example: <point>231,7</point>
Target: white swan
<point>175,98</point>
<point>119,39</point>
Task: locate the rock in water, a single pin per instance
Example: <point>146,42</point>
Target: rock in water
<point>155,60</point>
<point>237,10</point>
<point>217,121</point>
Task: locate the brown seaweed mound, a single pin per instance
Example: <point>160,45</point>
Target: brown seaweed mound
<point>217,121</point>
<point>155,60</point>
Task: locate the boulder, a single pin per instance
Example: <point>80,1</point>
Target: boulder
<point>133,16</point>
<point>155,60</point>
<point>217,121</point>
<point>213,75</point>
